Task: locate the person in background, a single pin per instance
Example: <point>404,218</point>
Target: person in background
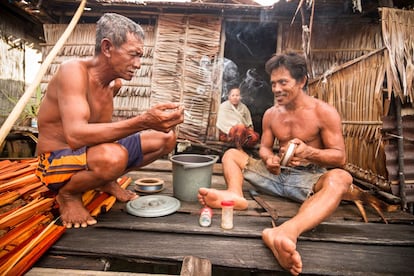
<point>79,146</point>
<point>235,122</point>
<point>313,175</point>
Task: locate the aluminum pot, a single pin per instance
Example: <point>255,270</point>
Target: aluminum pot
<point>191,172</point>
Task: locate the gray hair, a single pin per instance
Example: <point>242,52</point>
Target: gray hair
<point>115,27</point>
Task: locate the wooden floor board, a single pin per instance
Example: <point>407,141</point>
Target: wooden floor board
<point>341,245</point>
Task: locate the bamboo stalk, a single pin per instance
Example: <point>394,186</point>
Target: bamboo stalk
<point>50,237</point>
<point>30,168</point>
<point>8,197</point>
<point>13,261</point>
<point>96,203</point>
<point>88,196</point>
<point>17,231</point>
<point>18,183</point>
<point>14,246</point>
<point>22,213</point>
<point>38,192</point>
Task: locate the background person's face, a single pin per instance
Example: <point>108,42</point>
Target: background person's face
<point>234,96</point>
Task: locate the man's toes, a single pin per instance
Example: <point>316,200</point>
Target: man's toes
<point>68,225</point>
<point>203,191</point>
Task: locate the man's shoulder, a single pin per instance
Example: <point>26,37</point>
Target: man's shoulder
<point>74,64</point>
<point>323,106</point>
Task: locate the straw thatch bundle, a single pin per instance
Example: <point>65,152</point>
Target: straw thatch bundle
<point>397,31</point>
<point>333,44</point>
<point>184,63</point>
<point>356,92</point>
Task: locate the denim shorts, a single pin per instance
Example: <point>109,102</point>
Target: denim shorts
<point>295,183</point>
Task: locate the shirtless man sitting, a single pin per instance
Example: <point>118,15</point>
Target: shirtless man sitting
<point>315,127</point>
<point>79,146</point>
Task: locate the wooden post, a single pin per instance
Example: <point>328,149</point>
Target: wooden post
<point>194,266</point>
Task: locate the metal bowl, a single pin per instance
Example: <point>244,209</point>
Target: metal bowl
<point>149,185</point>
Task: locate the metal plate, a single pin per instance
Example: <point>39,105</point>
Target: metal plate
<point>153,206</point>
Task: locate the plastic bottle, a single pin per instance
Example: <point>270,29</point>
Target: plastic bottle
<point>205,216</point>
<point>227,214</point>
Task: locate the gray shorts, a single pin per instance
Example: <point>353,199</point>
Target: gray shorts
<point>294,183</point>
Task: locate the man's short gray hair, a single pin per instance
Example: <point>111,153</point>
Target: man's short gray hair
<point>115,27</point>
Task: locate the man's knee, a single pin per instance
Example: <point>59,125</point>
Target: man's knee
<point>110,160</point>
<point>233,155</point>
<point>170,140</point>
<point>339,179</point>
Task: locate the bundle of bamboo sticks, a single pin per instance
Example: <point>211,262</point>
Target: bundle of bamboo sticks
<point>28,226</point>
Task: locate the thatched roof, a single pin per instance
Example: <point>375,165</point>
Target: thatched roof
<point>38,12</point>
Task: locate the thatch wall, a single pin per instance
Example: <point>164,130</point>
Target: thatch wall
<point>397,32</point>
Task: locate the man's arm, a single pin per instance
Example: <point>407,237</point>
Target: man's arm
<point>76,114</point>
<point>332,153</point>
<point>266,153</point>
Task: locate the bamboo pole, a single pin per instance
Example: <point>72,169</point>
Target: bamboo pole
<point>17,110</point>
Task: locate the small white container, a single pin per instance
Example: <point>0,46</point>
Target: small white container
<point>206,215</point>
<point>227,214</point>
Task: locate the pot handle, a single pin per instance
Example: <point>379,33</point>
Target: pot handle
<point>192,166</point>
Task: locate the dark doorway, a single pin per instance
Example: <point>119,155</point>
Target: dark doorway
<point>248,46</point>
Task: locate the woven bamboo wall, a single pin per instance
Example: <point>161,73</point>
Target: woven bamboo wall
<point>185,70</point>
<point>356,90</point>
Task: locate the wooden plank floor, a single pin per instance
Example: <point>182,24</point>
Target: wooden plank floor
<point>342,245</point>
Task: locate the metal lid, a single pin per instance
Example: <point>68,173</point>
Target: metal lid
<point>153,206</point>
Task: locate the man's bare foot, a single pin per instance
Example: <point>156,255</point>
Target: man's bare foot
<point>284,249</point>
<point>72,211</point>
<point>122,195</point>
<point>213,198</point>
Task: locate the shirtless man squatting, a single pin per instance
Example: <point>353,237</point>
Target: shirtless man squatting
<point>80,148</point>
<point>312,176</point>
